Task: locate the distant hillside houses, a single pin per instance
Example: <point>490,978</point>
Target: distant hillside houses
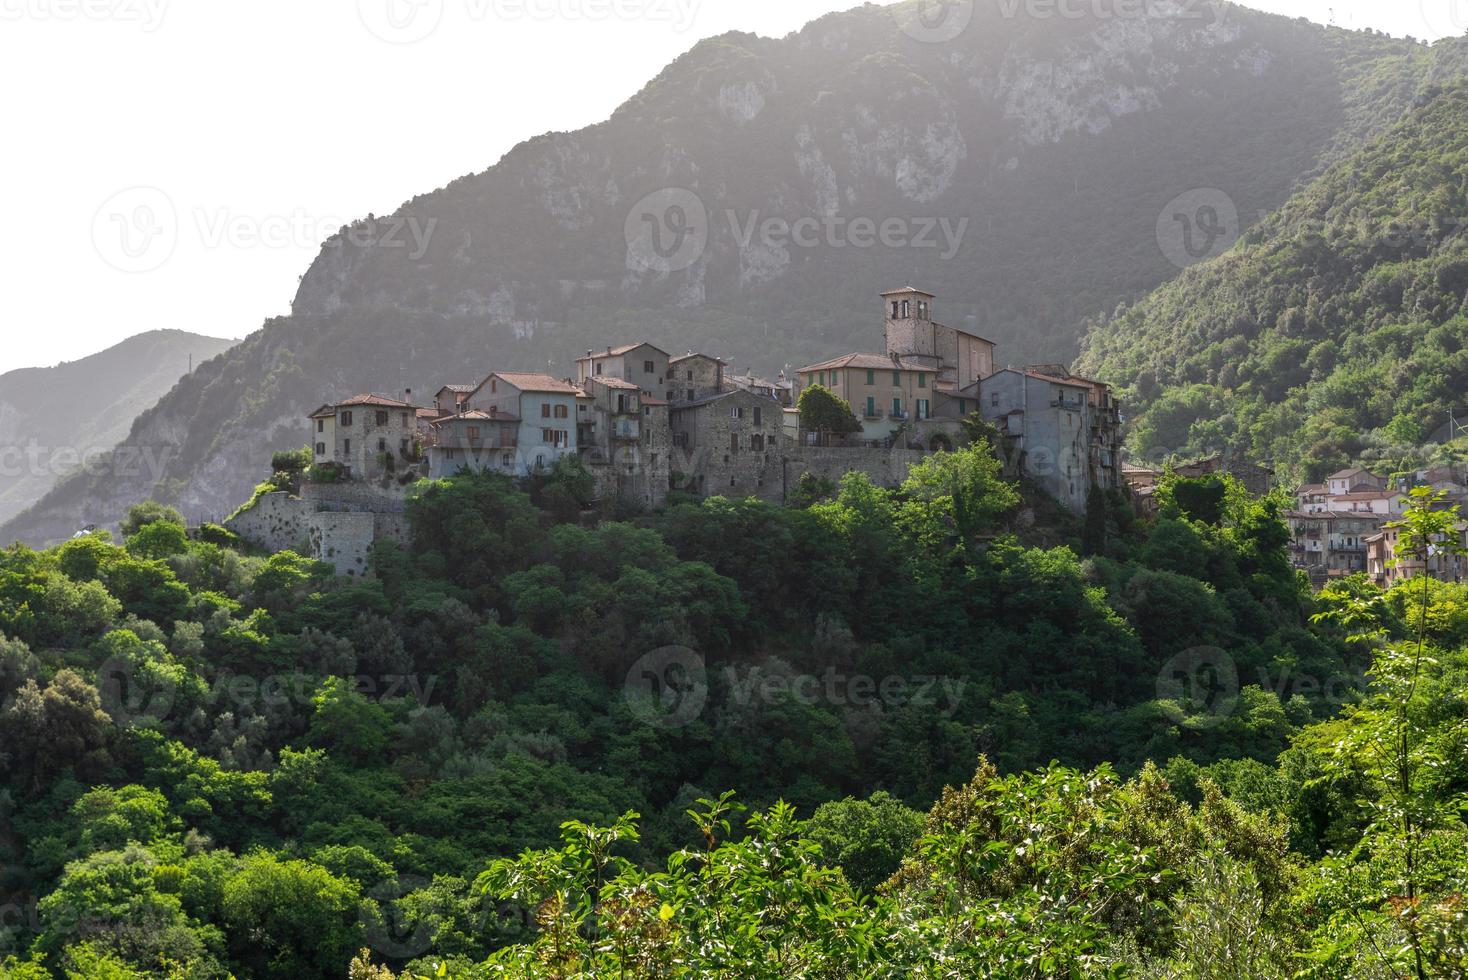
<point>1340,527</point>
<point>645,422</point>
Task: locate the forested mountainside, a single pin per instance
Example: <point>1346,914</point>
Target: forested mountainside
<point>66,412</point>
<point>1025,162</point>
<point>1335,331</point>
<point>219,763</point>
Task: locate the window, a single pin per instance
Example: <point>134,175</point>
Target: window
<point>688,376</point>
<point>894,309</point>
<point>562,412</point>
<point>382,445</point>
<point>962,407</point>
<point>906,308</point>
<point>647,368</point>
<point>473,433</point>
<point>321,425</point>
<point>555,437</point>
<point>346,418</point>
<point>922,379</point>
<point>321,449</point>
<point>733,442</point>
<point>994,399</point>
<point>545,410</point>
<point>835,378</point>
<point>347,446</point>
<point>494,384</point>
<point>382,418</point>
<point>689,394</point>
<point>923,411</point>
<point>736,413</point>
<point>598,369</point>
<point>871,407</point>
<point>897,379</point>
<point>759,417</point>
<point>757,443</point>
<point>405,418</point>
<point>897,406</point>
<point>871,376</point>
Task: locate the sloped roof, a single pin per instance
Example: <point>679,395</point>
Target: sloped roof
<point>382,400</point>
<point>867,361</point>
<point>618,351</point>
<point>458,389</point>
<point>613,382</point>
<point>536,382</point>
<point>477,416</point>
<point>1353,471</point>
<point>693,354</point>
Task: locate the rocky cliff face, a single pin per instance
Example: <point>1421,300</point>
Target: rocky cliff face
<point>752,199</point>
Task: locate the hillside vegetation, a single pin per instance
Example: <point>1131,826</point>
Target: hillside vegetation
<point>1336,330</point>
<point>223,763</point>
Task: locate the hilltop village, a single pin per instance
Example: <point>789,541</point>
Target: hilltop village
<point>644,422</point>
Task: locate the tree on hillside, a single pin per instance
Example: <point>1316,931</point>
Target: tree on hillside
<point>823,411</point>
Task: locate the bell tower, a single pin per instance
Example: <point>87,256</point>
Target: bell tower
<point>908,314</point>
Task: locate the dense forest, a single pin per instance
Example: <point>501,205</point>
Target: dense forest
<point>1335,331</point>
<point>930,731</point>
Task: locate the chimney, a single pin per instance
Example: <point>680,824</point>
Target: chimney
<point>408,395</point>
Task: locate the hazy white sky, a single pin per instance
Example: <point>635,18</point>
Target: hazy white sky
<point>236,134</point>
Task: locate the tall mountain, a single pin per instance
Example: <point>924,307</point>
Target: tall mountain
<point>51,419</point>
<point>1336,330</point>
<point>1050,145</point>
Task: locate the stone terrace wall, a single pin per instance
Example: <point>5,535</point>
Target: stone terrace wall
<point>886,467</point>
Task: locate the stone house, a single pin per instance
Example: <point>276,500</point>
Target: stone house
<point>625,440</point>
<point>1045,423</point>
<point>729,444</point>
<point>368,436</point>
<point>546,412</point>
<point>642,364</point>
<point>483,442</point>
<point>1352,480</point>
<point>694,376</point>
<point>452,398</point>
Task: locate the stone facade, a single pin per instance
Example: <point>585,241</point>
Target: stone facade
<point>730,445</point>
<point>694,377</point>
<point>642,364</point>
<point>368,436</point>
<point>1045,424</point>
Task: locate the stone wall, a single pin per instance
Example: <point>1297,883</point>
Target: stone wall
<point>277,522</point>
<point>885,467</point>
<point>343,540</point>
<point>336,523</point>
